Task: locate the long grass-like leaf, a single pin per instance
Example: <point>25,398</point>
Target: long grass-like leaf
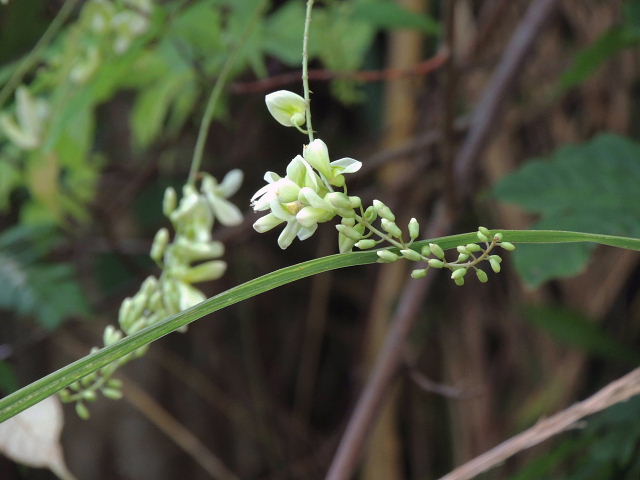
<point>52,383</point>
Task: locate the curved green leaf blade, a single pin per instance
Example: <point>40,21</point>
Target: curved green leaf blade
<point>52,383</point>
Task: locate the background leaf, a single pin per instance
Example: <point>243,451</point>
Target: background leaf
<point>591,187</point>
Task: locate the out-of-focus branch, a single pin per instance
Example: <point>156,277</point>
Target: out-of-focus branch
<point>277,81</point>
<point>618,391</point>
<point>483,120</point>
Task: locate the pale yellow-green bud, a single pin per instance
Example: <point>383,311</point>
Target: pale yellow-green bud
<point>414,229</point>
<point>82,411</point>
<point>111,393</point>
<point>111,335</point>
<point>484,231</point>
<point>482,276</point>
<point>205,272</point>
<point>366,244</point>
<point>459,273</point>
<point>385,256</point>
<point>338,200</point>
<point>384,211</point>
<point>461,249</point>
<point>436,250</point>
<point>497,237</point>
<point>370,214</point>
<point>266,223</point>
<point>495,265</point>
<point>426,251</point>
<point>473,247</point>
<point>482,237</point>
<point>508,246</point>
<point>169,201</point>
<point>463,257</point>
<point>356,202</point>
<point>391,228</point>
<point>286,107</point>
<point>349,232</point>
<point>419,273</point>
<point>89,395</point>
<point>411,255</point>
<point>317,155</point>
<point>434,263</point>
<point>459,281</point>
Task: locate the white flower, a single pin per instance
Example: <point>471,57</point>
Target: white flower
<point>317,155</point>
<point>288,108</point>
<point>216,195</point>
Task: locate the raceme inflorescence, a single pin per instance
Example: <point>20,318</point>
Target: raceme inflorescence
<point>191,257</point>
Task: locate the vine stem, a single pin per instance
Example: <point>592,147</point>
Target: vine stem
<point>216,92</point>
<point>33,56</point>
<point>305,68</point>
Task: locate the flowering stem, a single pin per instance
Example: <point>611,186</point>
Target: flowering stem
<point>305,68</point>
<point>382,235</point>
<point>216,92</point>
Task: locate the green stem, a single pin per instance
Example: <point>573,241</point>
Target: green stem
<point>305,68</point>
<point>216,92</point>
<point>34,55</point>
<point>382,235</point>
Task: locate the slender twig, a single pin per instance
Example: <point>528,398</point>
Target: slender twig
<point>216,92</point>
<point>423,68</point>
<point>33,56</point>
<point>305,68</point>
<point>618,391</point>
<point>390,358</point>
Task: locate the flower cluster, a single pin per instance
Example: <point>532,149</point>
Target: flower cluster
<point>314,191</point>
<point>191,257</point>
<point>25,128</point>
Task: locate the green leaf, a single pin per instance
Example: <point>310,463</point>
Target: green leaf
<point>10,178</point>
<point>52,383</point>
<point>589,187</point>
<point>574,329</point>
<point>283,31</point>
<point>388,14</point>
<point>31,286</point>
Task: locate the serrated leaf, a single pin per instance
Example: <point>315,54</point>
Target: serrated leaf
<point>592,187</point>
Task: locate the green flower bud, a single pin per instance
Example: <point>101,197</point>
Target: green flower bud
<point>355,202</point>
<point>370,214</point>
<point>310,216</point>
<point>459,273</point>
<point>497,237</point>
<point>205,272</point>
<point>435,263</point>
<point>89,395</point>
<point>508,246</point>
<point>459,281</point>
<point>266,223</point>
<point>345,244</point>
<point>495,265</point>
<point>473,247</point>
<point>414,229</point>
<point>338,200</point>
<point>349,232</point>
<point>114,383</point>
<point>317,155</point>
<point>436,250</point>
<point>384,211</point>
<point>385,256</point>
<point>111,335</point>
<point>426,251</point>
<point>411,255</point>
<point>159,245</point>
<point>82,411</point>
<point>482,237</point>
<point>482,276</point>
<point>419,273</point>
<point>349,222</point>
<point>463,257</point>
<point>497,258</point>
<point>366,244</point>
<point>286,107</point>
<point>112,393</point>
<point>391,228</point>
<point>484,231</point>
<point>169,201</point>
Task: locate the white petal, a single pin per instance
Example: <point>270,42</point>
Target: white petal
<point>271,177</point>
<point>347,165</point>
<point>279,211</point>
<point>230,183</point>
<point>309,196</point>
<point>305,232</point>
<point>266,223</point>
<point>288,234</point>
<point>225,211</point>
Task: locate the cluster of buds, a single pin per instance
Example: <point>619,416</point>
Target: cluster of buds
<point>191,257</point>
<point>310,194</point>
<point>25,129</point>
<point>470,256</point>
